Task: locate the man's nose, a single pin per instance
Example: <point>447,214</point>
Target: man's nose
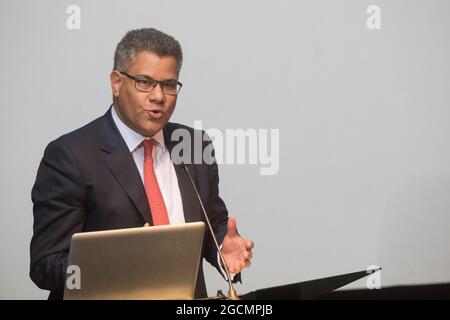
<point>157,94</point>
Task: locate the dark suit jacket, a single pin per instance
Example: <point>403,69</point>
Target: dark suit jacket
<point>88,181</point>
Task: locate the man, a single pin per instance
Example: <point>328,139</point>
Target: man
<point>117,171</point>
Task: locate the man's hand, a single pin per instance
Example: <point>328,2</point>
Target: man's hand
<point>236,251</point>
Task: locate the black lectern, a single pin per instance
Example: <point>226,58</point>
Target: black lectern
<point>434,291</point>
<point>307,290</point>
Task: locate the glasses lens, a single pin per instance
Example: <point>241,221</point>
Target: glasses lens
<point>145,84</point>
<point>170,87</point>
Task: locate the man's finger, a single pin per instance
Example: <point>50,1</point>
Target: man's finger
<point>234,270</point>
<point>249,245</point>
<point>248,255</point>
<point>232,232</point>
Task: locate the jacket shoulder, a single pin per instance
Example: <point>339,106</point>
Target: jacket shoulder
<point>81,135</point>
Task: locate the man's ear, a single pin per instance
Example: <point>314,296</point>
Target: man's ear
<point>116,82</point>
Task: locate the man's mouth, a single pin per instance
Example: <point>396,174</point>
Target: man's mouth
<point>154,114</point>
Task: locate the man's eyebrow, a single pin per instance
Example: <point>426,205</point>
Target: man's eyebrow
<point>151,78</point>
<point>143,76</point>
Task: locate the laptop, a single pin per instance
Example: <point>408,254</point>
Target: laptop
<point>159,262</point>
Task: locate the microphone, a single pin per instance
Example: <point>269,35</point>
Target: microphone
<point>231,291</point>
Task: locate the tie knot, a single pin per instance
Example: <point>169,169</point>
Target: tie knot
<point>148,147</point>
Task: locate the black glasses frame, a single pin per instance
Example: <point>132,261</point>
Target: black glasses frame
<point>154,86</point>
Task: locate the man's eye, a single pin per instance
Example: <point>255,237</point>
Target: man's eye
<point>170,85</point>
<point>145,82</point>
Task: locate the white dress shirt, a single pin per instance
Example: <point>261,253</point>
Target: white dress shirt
<point>164,170</point>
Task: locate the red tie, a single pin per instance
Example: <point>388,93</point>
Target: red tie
<point>154,195</point>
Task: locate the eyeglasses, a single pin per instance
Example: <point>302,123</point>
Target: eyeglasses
<point>147,84</point>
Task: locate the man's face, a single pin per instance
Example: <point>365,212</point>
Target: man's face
<point>145,112</point>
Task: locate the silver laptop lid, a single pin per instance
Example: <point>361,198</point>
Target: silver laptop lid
<point>139,263</point>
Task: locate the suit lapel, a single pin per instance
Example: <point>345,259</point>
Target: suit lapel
<point>120,161</point>
<point>191,207</point>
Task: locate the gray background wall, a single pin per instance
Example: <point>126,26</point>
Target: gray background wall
<point>363,116</point>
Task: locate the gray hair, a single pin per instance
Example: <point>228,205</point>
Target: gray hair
<point>148,39</point>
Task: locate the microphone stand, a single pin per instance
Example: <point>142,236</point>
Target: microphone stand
<point>232,295</point>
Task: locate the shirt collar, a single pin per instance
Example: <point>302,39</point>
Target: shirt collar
<point>131,137</point>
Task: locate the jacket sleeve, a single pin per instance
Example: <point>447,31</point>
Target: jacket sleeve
<point>59,200</point>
